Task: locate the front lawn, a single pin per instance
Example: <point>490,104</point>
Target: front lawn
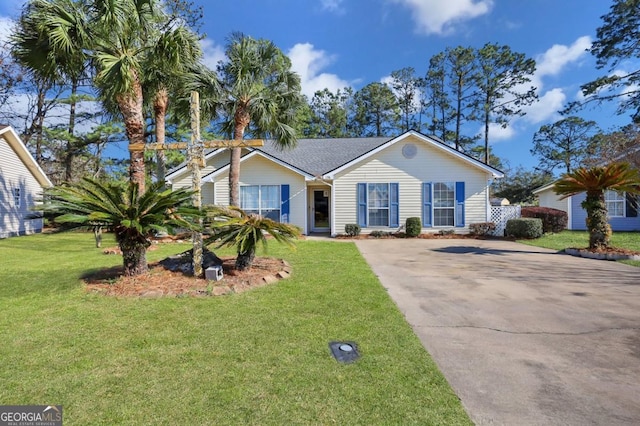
<point>260,357</point>
<point>580,239</point>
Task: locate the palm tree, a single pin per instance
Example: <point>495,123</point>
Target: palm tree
<point>132,217</point>
<point>233,227</point>
<point>620,177</point>
<point>257,91</point>
<point>118,41</point>
<point>58,63</point>
<point>175,57</point>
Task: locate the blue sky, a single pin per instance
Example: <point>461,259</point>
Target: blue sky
<point>338,43</point>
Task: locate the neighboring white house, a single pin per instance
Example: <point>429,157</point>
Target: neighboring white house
<point>324,184</point>
<point>21,183</point>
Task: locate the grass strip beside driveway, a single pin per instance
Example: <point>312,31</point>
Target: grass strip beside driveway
<point>260,357</point>
<point>580,239</point>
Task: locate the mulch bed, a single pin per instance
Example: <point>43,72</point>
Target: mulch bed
<point>159,281</point>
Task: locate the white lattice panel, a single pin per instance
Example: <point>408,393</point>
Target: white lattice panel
<point>501,214</point>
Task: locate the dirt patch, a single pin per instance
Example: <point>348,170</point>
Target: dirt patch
<point>161,282</point>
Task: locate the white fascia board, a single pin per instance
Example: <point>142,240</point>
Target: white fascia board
<point>14,141</point>
<point>543,188</point>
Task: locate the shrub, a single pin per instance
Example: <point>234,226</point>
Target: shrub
<point>526,227</point>
<point>553,220</point>
<point>245,231</point>
<point>446,232</point>
<point>379,234</point>
<point>413,226</point>
<point>482,228</point>
<point>352,229</point>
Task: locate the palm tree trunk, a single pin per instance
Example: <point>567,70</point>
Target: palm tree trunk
<point>245,260</point>
<point>37,123</point>
<point>134,258</point>
<point>597,224</point>
<point>241,119</point>
<point>130,106</point>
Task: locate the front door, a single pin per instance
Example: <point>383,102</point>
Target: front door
<point>320,213</point>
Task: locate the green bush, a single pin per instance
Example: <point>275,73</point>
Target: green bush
<point>553,220</point>
<point>413,226</point>
<point>482,228</point>
<point>525,227</point>
<point>380,234</point>
<point>352,229</point>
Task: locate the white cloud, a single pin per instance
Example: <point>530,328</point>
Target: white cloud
<point>211,53</point>
<point>498,133</point>
<point>308,62</point>
<point>553,61</point>
<point>6,28</point>
<point>332,5</point>
<point>547,106</point>
<point>438,16</point>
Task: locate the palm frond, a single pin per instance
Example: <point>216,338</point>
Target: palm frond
<point>233,227</point>
<point>620,177</point>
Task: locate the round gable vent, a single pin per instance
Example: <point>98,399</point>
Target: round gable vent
<point>409,150</point>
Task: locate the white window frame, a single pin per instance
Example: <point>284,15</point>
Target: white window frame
<point>261,207</point>
<point>372,207</point>
<point>17,197</point>
<point>434,206</point>
<point>617,198</point>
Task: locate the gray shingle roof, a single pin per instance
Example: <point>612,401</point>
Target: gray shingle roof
<point>319,156</point>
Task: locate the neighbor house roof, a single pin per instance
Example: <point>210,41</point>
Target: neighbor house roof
<point>12,138</point>
<point>544,188</point>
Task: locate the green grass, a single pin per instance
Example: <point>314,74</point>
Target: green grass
<point>259,357</point>
<point>579,239</point>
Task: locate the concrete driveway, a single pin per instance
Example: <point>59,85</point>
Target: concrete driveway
<point>525,336</point>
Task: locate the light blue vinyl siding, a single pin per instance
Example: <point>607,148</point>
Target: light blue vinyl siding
<point>579,216</point>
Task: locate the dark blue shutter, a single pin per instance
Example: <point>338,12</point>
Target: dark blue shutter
<point>426,205</point>
<point>460,204</point>
<point>284,198</point>
<point>362,204</point>
<point>631,205</point>
<point>394,206</point>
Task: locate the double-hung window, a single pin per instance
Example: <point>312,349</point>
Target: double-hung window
<point>444,204</point>
<point>378,204</point>
<point>615,202</point>
<point>261,199</point>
